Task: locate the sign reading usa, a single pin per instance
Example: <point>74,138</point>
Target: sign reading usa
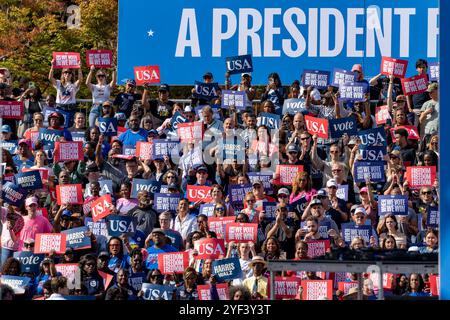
<point>148,74</point>
<point>321,35</point>
<point>239,64</point>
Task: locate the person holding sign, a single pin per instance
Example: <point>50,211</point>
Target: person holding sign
<point>275,92</point>
<point>33,224</point>
<point>160,108</point>
<point>245,86</point>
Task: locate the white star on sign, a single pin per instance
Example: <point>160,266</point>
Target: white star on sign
<point>150,33</point>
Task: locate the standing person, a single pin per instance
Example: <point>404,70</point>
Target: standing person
<point>188,290</point>
<point>257,284</point>
<point>117,257</point>
<point>90,276</point>
<point>302,187</point>
<point>184,222</point>
<point>416,101</point>
<point>161,108</point>
<point>101,92</point>
<point>47,271</point>
<point>124,286</point>
<point>59,288</point>
<point>388,226</point>
<point>32,103</point>
<point>429,117</point>
<point>416,286</point>
<point>33,224</point>
<point>245,85</point>
<point>125,100</point>
<point>275,92</point>
<point>159,246</point>
<point>32,133</point>
<point>125,203</point>
<point>134,133</point>
<point>144,213</point>
<point>12,223</point>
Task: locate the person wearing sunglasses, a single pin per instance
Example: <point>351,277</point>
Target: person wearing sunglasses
<point>32,133</point>
<point>125,100</point>
<point>47,271</point>
<point>101,91</point>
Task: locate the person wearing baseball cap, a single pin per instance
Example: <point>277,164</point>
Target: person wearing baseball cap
<point>158,236</point>
<point>161,108</point>
<point>125,100</point>
<point>24,157</point>
<point>56,122</point>
<point>283,196</point>
<point>259,193</point>
<point>33,223</point>
<point>359,217</point>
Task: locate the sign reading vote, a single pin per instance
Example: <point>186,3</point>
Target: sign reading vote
<point>173,262</point>
<point>30,180</point>
<point>415,85</point>
<point>66,60</point>
<point>68,151</point>
<point>209,248</point>
<point>341,76</point>
<point>98,228</point>
<point>11,109</point>
<point>47,242</point>
<point>29,262</point>
<point>315,78</point>
<point>157,292</point>
<point>77,239</point>
<point>48,136</point>
<point>264,177</point>
<point>432,217</point>
<point>373,170</point>
<point>13,194</point>
<point>270,120</point>
<point>99,58</point>
<point>373,137</point>
<point>165,147</point>
<point>270,209</point>
<point>394,67</point>
<point>350,231</point>
<point>234,98</point>
<point>176,119</point>
<point>117,225</point>
<point>317,126</point>
<point>293,106</point>
<point>108,126</point>
<point>353,91</point>
<point>152,186</point>
<point>206,91</point>
<point>433,71</point>
<point>207,209</point>
<point>390,204</point>
<point>164,202</point>
<point>100,207</point>
<point>286,287</point>
<point>343,125</point>
<point>227,269</point>
<point>372,153</point>
<point>147,74</point>
<point>239,64</point>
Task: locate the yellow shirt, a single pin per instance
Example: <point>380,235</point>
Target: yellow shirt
<point>249,283</point>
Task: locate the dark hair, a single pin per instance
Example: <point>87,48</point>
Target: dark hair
<point>246,218</point>
<point>275,76</point>
<point>268,255</point>
<point>58,283</point>
<point>421,282</point>
<point>310,218</point>
<point>116,293</point>
<point>120,255</point>
<point>421,63</point>
<point>403,132</point>
<point>84,259</point>
<point>246,295</point>
<point>433,155</point>
<point>383,244</point>
<point>191,235</point>
<point>149,274</point>
<point>9,264</point>
<point>5,290</point>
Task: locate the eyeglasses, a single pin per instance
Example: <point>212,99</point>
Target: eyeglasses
<point>321,197</point>
<point>304,138</point>
<point>336,170</point>
<point>426,192</point>
<point>153,276</point>
<point>28,245</point>
<point>332,187</point>
<point>219,209</point>
<point>101,76</point>
<point>171,177</point>
<point>250,200</point>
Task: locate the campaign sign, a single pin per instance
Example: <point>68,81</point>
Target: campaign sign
<point>144,150</point>
<point>237,192</point>
<point>293,106</point>
<point>42,172</point>
<point>174,262</point>
<point>317,289</point>
<point>382,115</point>
<point>353,91</point>
<point>435,284</point>
<point>226,269</point>
<point>17,283</point>
<point>372,169</point>
<point>69,194</point>
<point>206,91</point>
<point>98,228</point>
<point>299,206</point>
<point>372,153</point>
<point>176,119</point>
<point>287,173</point>
<point>318,248</point>
<point>209,248</point>
<point>433,71</point>
<point>13,194</point>
<point>68,151</point>
<point>107,126</point>
<point>270,120</point>
<point>100,207</point>
<point>99,58</point>
<point>117,225</point>
<point>433,217</point>
<point>345,286</point>
<point>285,287</point>
<point>324,226</point>
<point>198,193</point>
<point>414,85</point>
<point>393,67</point>
<point>241,232</point>
<point>29,262</point>
<point>106,187</point>
<point>350,231</point>
<point>397,205</point>
<point>11,109</point>
<point>341,76</point>
<point>315,78</point>
<point>69,60</point>
<point>147,74</point>
<point>239,64</point>
<point>237,99</point>
<point>413,133</point>
<point>373,137</point>
<point>165,147</point>
<point>152,186</point>
<point>207,209</point>
<point>10,146</point>
<point>129,151</point>
<point>157,292</point>
<point>164,202</point>
<point>270,209</point>
<point>47,242</point>
<point>30,180</point>
<point>420,176</point>
<point>317,126</point>
<point>265,178</point>
<point>218,224</point>
<point>78,136</point>
<point>190,131</point>
<point>204,291</point>
<point>49,136</point>
<point>68,270</point>
<point>343,125</point>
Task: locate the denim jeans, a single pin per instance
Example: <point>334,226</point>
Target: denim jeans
<point>93,115</point>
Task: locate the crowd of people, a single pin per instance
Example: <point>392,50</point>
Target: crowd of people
<point>312,207</point>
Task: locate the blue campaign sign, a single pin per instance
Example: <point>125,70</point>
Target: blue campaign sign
<point>433,71</point>
<point>78,136</point>
<point>341,76</point>
<point>293,106</point>
<point>29,262</point>
<point>433,217</point>
<point>239,64</point>
<point>129,150</point>
<point>176,119</point>
<point>10,145</point>
<point>108,126</point>
<point>118,225</point>
<point>397,205</point>
<point>372,153</point>
<point>270,209</point>
<point>13,194</point>
<point>207,209</point>
<point>226,269</point>
<point>324,226</point>
<point>342,192</point>
<point>353,91</point>
<point>106,186</point>
<point>49,136</point>
<point>79,298</point>
<point>164,202</point>
<point>270,120</point>
<point>152,186</point>
<point>343,125</point>
<point>280,36</point>
<point>15,282</point>
<point>316,78</point>
<point>373,137</point>
<point>165,147</point>
<point>265,178</point>
<point>373,169</point>
<point>231,148</point>
<point>350,231</point>
<point>237,192</point>
<point>66,116</point>
<point>136,280</point>
<point>206,91</point>
<point>30,180</point>
<point>76,238</point>
<point>237,99</point>
<point>98,228</point>
<point>157,292</point>
<point>299,206</point>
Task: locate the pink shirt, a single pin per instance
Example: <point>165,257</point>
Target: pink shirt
<point>33,226</point>
<point>308,195</point>
<point>6,240</point>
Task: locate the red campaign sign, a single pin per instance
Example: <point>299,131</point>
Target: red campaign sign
<point>47,242</point>
<point>69,60</point>
<point>11,109</point>
<point>413,133</point>
<point>241,232</point>
<point>68,270</point>
<point>42,212</point>
<point>285,287</point>
<point>147,74</point>
<point>218,224</point>
<point>99,58</point>
<point>317,289</point>
<point>287,173</point>
<point>347,285</point>
<point>317,126</point>
<point>204,291</point>
<point>68,151</point>
<point>435,284</point>
<point>199,193</point>
<point>69,194</point>
<point>395,67</point>
<point>172,262</point>
<point>190,131</point>
<point>382,114</point>
<point>387,281</point>
<point>144,150</point>
<point>100,207</point>
<point>317,248</point>
<point>414,85</point>
<point>340,277</point>
<point>420,176</point>
<point>209,248</point>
